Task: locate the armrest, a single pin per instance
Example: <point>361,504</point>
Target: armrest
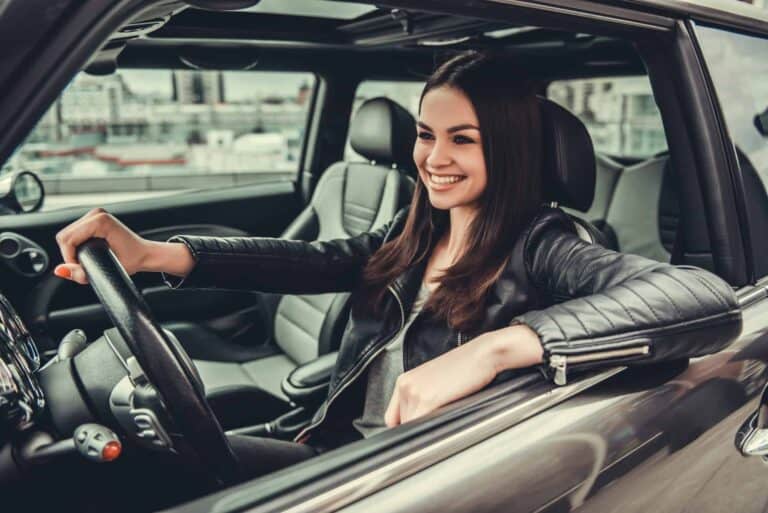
<point>308,383</point>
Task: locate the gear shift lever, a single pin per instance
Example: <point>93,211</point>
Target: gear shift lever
<point>94,442</point>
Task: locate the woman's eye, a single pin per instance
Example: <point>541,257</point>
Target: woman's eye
<point>424,135</point>
<point>462,139</point>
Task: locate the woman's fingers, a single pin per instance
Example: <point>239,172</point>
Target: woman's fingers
<point>90,225</point>
<point>72,272</point>
<point>392,415</point>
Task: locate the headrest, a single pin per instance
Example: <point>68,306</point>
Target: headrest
<point>384,132</point>
<point>568,159</point>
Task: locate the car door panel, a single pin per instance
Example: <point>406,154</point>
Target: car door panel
<point>659,438</point>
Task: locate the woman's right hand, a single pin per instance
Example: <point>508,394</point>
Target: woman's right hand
<point>132,251</point>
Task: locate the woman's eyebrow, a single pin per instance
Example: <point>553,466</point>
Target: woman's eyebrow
<point>457,128</point>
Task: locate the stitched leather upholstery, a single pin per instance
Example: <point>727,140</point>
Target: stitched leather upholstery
<point>349,199</point>
<point>568,159</point>
<point>636,207</point>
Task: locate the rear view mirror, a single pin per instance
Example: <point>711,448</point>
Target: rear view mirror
<point>21,192</point>
<point>761,122</point>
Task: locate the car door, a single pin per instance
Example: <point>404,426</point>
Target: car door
<point>207,152</point>
<point>657,438</point>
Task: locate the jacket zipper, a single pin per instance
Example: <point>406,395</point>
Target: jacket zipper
<point>559,362</point>
<point>400,304</point>
<point>353,376</point>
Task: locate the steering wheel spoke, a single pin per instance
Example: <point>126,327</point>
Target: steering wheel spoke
<point>164,364</point>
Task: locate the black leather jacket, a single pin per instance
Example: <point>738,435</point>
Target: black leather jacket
<point>589,305</point>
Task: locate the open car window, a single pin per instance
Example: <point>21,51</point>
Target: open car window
<point>741,83</point>
<point>140,133</point>
<point>619,112</point>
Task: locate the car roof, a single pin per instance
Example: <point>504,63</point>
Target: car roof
<point>174,32</point>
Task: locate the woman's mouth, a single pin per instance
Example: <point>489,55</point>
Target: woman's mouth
<point>444,181</point>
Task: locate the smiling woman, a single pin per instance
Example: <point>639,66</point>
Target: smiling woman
<point>483,183</point>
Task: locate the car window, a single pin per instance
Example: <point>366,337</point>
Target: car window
<point>741,82</point>
<point>139,133</point>
<point>406,94</point>
<point>620,114</point>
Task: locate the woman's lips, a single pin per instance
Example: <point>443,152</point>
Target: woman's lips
<point>443,182</point>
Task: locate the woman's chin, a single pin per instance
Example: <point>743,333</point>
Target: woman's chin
<point>443,203</point>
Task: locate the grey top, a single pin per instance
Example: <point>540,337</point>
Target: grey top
<point>383,373</point>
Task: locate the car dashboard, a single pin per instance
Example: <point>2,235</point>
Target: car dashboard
<point>21,395</point>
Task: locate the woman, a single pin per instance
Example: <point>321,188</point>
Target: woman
<point>475,278</point>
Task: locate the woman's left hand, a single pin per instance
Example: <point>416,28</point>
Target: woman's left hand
<point>461,372</point>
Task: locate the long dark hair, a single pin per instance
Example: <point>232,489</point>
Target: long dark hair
<point>510,122</point>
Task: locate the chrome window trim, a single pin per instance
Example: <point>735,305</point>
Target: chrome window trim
<point>364,485</point>
<point>608,14</point>
<point>751,294</point>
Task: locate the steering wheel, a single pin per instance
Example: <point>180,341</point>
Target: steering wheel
<point>163,361</point>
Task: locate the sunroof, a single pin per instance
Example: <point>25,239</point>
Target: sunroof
<point>312,8</point>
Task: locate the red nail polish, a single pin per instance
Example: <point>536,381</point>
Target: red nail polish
<point>62,272</point>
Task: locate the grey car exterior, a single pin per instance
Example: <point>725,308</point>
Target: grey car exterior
<point>668,438</point>
<point>662,438</point>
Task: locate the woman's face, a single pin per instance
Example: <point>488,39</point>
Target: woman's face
<point>448,150</point>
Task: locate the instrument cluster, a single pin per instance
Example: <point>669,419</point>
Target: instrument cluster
<point>20,393</point>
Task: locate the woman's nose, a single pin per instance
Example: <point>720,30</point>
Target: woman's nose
<point>439,156</point>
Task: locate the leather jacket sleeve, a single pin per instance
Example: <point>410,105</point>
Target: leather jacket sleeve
<point>279,265</point>
<point>602,307</point>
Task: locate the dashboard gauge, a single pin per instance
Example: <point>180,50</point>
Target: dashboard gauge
<point>20,392</point>
<point>13,327</point>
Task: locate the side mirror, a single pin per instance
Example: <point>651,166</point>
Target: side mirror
<point>752,436</point>
<point>21,192</point>
<point>761,122</point>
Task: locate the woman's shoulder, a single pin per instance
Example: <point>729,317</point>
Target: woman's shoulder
<point>547,222</point>
<point>546,228</point>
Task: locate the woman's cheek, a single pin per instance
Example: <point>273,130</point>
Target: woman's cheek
<point>419,156</point>
<point>419,153</point>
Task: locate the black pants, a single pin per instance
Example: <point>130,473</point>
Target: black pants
<point>259,456</point>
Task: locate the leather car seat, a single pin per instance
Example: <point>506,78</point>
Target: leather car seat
<point>350,198</point>
<point>568,167</point>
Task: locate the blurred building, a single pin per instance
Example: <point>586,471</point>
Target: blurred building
<point>198,87</point>
<point>620,113</point>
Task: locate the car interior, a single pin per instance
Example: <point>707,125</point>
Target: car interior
<point>264,360</point>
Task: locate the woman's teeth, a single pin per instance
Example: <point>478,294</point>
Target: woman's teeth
<point>445,179</point>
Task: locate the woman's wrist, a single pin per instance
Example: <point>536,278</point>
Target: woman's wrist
<point>515,347</point>
<point>168,257</point>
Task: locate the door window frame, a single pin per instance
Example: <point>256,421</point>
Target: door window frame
<point>729,146</point>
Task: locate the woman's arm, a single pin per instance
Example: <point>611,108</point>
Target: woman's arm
<point>277,265</point>
<point>613,307</point>
<point>256,263</point>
